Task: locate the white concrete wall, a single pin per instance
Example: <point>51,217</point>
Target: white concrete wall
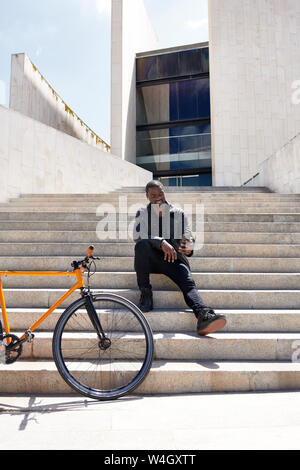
<point>31,95</point>
<point>254,62</point>
<point>35,158</point>
<point>281,171</point>
<point>131,32</point>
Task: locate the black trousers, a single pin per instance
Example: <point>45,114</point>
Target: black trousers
<point>149,260</point>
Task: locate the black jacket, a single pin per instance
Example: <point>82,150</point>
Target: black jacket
<point>173,227</point>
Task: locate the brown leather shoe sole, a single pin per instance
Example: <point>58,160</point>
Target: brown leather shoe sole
<point>213,327</point>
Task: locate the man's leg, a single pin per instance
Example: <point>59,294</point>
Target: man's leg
<point>145,261</point>
<point>182,276</point>
<point>150,260</point>
<point>208,320</point>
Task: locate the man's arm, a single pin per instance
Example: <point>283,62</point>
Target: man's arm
<point>188,240</point>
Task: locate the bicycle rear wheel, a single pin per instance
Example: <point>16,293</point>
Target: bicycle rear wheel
<point>94,372</point>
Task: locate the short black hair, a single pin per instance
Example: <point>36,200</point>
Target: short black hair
<point>154,184</point>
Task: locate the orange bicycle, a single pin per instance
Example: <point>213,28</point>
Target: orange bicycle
<point>102,343</point>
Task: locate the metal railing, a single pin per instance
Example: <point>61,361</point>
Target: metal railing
<point>254,181</point>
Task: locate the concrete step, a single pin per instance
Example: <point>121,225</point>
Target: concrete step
<point>170,192</point>
<point>189,208</point>
<point>236,196</point>
<point>127,201</point>
<point>78,250</point>
<point>182,190</point>
<point>127,280</point>
<point>142,199</point>
<point>121,199</point>
<point>124,203</point>
<point>41,215</point>
<point>247,269</point>
<point>41,377</point>
<point>176,346</point>
<point>181,320</point>
<point>127,204</point>
<point>94,199</point>
<point>126,263</point>
<point>10,236</point>
<point>212,189</point>
<point>225,299</point>
<point>170,197</point>
<point>91,226</point>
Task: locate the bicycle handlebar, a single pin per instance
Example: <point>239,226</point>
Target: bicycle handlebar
<point>85,262</point>
<point>90,251</point>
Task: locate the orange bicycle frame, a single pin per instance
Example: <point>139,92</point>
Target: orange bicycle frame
<point>78,285</point>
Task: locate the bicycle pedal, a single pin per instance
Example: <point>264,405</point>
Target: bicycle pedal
<point>29,336</point>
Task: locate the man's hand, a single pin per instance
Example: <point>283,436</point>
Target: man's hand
<point>186,247</point>
<point>170,253</point>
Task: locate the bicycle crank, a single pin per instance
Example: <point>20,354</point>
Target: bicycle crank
<point>13,348</point>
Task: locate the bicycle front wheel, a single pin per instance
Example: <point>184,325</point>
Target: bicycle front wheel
<point>103,374</point>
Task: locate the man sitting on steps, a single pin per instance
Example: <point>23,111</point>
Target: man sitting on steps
<point>163,243</point>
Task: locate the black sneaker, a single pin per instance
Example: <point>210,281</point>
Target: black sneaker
<point>146,300</point>
<point>209,321</point>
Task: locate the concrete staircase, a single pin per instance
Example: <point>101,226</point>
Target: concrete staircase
<point>248,269</point>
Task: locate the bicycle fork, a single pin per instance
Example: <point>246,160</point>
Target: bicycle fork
<point>104,342</point>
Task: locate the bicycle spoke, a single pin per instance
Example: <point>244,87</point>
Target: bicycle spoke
<point>80,354</point>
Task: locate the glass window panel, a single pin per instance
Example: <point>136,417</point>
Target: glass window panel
<point>187,99</point>
<point>161,143</point>
<point>154,164</point>
<point>144,144</point>
<point>153,103</point>
<point>146,68</point>
<point>168,65</point>
<point>188,130</point>
<point>176,64</point>
<point>190,62</point>
<point>205,59</point>
<point>195,180</point>
<point>154,142</point>
<point>173,181</point>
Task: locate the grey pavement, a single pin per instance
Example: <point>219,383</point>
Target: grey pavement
<point>173,422</point>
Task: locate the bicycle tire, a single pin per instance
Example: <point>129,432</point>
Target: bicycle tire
<point>114,376</point>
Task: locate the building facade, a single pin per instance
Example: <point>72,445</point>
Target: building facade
<point>173,138</point>
<point>219,113</point>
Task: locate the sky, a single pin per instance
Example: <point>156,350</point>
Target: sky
<point>69,43</point>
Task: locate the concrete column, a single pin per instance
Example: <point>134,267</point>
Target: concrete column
<point>131,32</point>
